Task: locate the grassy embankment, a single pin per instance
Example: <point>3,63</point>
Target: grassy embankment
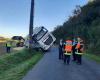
<point>14,66</point>
<point>93,57</point>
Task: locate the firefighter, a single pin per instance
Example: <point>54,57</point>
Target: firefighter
<point>61,49</point>
<point>68,51</point>
<point>74,49</point>
<point>8,47</point>
<point>79,52</point>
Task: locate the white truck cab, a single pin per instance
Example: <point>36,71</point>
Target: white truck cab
<point>42,38</point>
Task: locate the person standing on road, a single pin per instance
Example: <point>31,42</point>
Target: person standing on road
<point>61,49</point>
<point>68,51</point>
<point>74,49</point>
<point>8,47</point>
<point>79,52</point>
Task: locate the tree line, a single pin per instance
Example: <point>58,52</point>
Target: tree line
<point>84,23</point>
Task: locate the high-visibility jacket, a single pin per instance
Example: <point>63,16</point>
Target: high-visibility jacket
<point>8,44</point>
<point>78,45</point>
<point>68,47</point>
<point>80,48</point>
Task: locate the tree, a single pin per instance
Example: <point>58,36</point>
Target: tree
<point>85,23</point>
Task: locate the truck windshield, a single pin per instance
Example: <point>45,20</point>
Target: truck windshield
<point>40,34</point>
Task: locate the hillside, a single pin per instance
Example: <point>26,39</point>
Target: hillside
<point>85,23</point>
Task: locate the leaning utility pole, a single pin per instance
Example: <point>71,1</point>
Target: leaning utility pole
<point>31,23</point>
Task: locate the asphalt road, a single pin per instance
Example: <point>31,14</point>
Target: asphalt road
<point>51,68</point>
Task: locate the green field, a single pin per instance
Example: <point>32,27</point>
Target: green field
<point>14,66</point>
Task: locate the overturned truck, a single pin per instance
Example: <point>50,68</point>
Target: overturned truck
<point>41,39</point>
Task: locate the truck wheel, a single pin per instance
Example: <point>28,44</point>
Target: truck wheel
<point>43,50</point>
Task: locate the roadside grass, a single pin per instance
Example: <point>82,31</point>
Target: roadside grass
<point>14,66</point>
<point>93,57</point>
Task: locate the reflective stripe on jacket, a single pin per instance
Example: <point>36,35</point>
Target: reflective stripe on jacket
<point>78,53</point>
<point>66,53</point>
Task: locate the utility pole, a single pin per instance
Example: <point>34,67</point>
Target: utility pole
<point>31,23</point>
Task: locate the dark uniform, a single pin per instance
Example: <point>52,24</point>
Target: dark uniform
<point>61,50</point>
<point>74,50</point>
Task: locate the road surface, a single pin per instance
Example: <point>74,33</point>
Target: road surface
<point>50,68</point>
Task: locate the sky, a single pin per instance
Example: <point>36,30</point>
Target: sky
<point>15,15</point>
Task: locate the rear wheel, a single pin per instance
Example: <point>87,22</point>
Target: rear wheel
<point>44,50</point>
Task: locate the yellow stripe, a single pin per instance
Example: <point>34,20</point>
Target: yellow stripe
<point>79,53</point>
<point>67,53</point>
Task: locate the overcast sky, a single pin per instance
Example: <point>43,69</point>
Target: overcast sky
<point>14,14</point>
